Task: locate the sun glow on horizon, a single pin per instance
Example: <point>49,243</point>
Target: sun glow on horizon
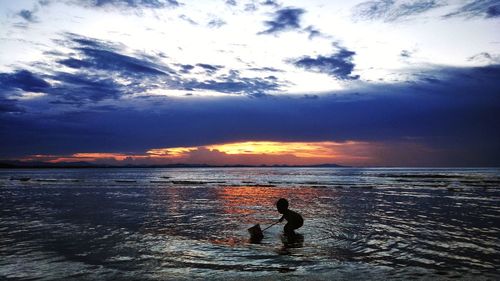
<point>247,152</point>
<point>299,149</point>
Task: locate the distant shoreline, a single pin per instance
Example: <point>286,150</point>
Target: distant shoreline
<point>18,165</point>
<point>201,166</point>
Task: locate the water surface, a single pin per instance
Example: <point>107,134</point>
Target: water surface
<point>184,224</point>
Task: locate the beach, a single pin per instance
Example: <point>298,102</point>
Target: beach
<point>191,224</point>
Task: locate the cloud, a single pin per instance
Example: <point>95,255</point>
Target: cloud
<point>255,87</point>
<point>216,23</point>
<point>83,88</point>
<point>186,68</point>
<point>485,58</point>
<point>250,7</point>
<point>249,153</point>
<point>22,80</point>
<point>338,65</point>
<point>151,4</point>
<point>27,15</point>
<point>481,8</point>
<point>231,82</point>
<point>101,72</point>
<point>30,15</point>
<point>98,72</point>
<point>392,10</point>
<point>265,69</point>
<point>456,117</point>
<point>313,32</point>
<point>9,106</point>
<point>284,20</point>
<point>231,2</point>
<point>270,3</point>
<point>188,19</point>
<point>100,56</point>
<point>110,60</point>
<point>288,19</point>
<point>493,11</point>
<point>406,54</point>
<point>91,71</point>
<point>209,68</point>
<point>402,153</point>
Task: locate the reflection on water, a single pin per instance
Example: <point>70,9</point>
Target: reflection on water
<point>180,224</point>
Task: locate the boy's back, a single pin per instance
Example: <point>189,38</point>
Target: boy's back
<point>294,219</point>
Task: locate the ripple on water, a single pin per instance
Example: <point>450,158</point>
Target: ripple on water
<point>194,225</point>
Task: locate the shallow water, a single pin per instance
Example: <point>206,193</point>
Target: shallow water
<point>185,224</point>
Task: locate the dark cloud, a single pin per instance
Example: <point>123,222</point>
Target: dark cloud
<point>265,69</point>
<point>254,87</point>
<point>312,31</point>
<point>9,106</point>
<point>188,19</point>
<point>485,58</point>
<point>151,4</point>
<point>493,11</point>
<point>391,10</point>
<point>231,2</point>
<point>431,80</point>
<point>210,68</point>
<point>108,60</point>
<point>289,19</point>
<point>99,55</point>
<point>22,80</point>
<point>405,54</point>
<point>86,88</point>
<point>94,71</point>
<point>27,15</point>
<point>97,68</point>
<point>74,89</point>
<point>284,20</point>
<point>338,65</point>
<point>481,8</point>
<point>186,68</point>
<point>270,3</point>
<point>216,23</point>
<point>250,7</point>
<point>457,116</point>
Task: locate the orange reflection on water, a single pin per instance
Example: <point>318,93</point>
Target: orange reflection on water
<point>244,200</point>
<point>251,199</point>
<point>256,204</point>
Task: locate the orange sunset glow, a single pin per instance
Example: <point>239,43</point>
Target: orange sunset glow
<point>248,152</point>
<point>298,149</point>
<point>351,153</point>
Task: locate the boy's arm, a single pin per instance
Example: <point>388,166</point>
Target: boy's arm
<point>282,218</point>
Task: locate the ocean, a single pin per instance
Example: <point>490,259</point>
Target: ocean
<point>191,224</point>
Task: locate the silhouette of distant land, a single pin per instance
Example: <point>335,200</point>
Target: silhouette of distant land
<point>13,164</point>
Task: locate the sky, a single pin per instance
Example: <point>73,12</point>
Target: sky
<point>359,83</point>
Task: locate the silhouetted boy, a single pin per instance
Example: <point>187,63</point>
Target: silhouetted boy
<point>294,219</point>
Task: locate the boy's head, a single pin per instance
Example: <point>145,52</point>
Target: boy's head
<point>282,205</point>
